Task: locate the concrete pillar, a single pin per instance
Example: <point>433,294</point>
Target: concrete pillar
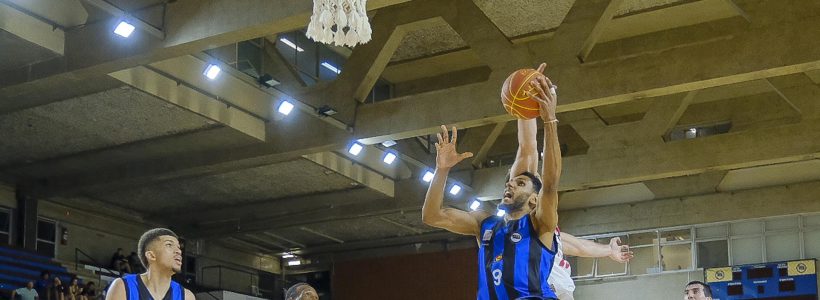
<point>26,229</point>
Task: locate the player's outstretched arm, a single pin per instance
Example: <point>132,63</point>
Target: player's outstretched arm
<point>546,208</point>
<point>432,213</point>
<point>526,159</point>
<point>585,248</point>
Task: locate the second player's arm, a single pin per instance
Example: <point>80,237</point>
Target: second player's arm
<point>432,213</point>
<point>574,246</point>
<point>451,219</point>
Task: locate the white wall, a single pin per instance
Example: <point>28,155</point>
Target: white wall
<point>647,287</point>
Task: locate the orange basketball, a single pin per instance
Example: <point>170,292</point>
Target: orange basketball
<point>514,94</point>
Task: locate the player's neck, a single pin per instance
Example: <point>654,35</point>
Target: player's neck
<point>515,215</point>
<point>156,279</point>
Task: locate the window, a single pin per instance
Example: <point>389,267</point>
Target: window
<point>46,237</point>
<point>676,257</point>
<point>713,254</point>
<point>581,266</point>
<point>739,242</point>
<point>783,246</point>
<point>645,247</point>
<point>681,133</point>
<point>5,226</point>
<point>606,266</point>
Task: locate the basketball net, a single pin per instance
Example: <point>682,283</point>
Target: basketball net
<point>339,22</point>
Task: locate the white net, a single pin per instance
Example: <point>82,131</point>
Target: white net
<point>339,22</point>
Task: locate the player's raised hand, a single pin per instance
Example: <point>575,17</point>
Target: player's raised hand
<point>544,93</point>
<point>620,253</point>
<point>446,154</point>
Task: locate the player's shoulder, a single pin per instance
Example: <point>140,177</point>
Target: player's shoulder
<point>189,295</point>
<point>116,291</point>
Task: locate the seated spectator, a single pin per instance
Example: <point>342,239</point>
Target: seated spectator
<point>42,285</point>
<point>119,263</point>
<point>90,292</point>
<point>26,293</point>
<point>75,291</point>
<point>57,290</point>
<point>134,262</point>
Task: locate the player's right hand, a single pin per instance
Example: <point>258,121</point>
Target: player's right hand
<point>446,154</point>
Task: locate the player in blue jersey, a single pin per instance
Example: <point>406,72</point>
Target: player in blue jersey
<point>161,255</point>
<point>516,251</point>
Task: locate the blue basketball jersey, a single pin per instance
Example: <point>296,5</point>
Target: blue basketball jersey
<point>513,263</point>
<point>135,289</point>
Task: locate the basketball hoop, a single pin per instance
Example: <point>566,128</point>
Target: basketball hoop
<point>339,22</point>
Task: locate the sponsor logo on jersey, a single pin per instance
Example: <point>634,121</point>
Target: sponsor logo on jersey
<point>515,237</point>
<point>488,234</point>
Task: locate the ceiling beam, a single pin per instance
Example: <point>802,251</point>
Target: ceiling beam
<point>94,50</point>
<point>279,237</point>
<point>609,7</point>
<point>394,241</point>
<point>699,66</point>
<point>125,16</point>
<point>31,28</point>
<point>648,157</point>
<point>355,171</point>
<point>481,155</point>
<point>185,95</point>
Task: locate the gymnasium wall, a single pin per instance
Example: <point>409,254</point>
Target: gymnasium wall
<point>440,275</point>
<point>100,236</point>
<point>664,286</point>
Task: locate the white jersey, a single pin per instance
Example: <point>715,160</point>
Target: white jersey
<point>560,278</point>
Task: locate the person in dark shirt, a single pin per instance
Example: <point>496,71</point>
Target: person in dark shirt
<point>42,285</point>
<point>119,263</point>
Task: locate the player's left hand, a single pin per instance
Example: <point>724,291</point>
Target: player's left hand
<point>619,253</point>
<point>545,95</point>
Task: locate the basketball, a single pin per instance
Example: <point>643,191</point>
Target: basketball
<point>514,94</point>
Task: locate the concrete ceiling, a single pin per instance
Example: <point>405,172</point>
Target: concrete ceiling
<point>287,179</point>
<point>99,120</point>
<point>70,133</point>
<point>18,52</point>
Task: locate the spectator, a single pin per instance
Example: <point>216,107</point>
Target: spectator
<point>57,290</point>
<point>301,291</point>
<point>75,291</point>
<point>26,293</point>
<point>119,263</point>
<point>134,262</point>
<point>90,293</point>
<point>42,285</point>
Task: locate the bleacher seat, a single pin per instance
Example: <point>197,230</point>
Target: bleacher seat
<point>18,266</point>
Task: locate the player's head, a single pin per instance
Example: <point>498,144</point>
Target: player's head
<point>519,191</point>
<point>159,248</point>
<point>697,290</point>
<point>301,291</point>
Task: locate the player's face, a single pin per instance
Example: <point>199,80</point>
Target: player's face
<point>307,293</point>
<point>694,292</point>
<point>167,253</point>
<point>517,192</point>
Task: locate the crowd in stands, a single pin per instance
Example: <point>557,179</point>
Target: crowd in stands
<point>47,288</point>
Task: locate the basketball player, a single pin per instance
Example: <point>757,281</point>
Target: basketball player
<point>697,290</point>
<point>516,251</point>
<point>527,161</point>
<point>301,291</point>
<point>160,254</point>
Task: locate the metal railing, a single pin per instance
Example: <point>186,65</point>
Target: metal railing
<point>252,279</point>
<point>78,251</point>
